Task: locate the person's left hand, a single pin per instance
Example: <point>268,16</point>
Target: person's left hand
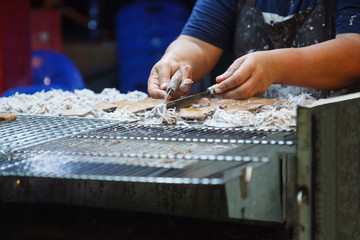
<point>248,76</point>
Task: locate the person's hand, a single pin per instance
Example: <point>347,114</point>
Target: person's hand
<point>160,76</point>
<point>250,75</point>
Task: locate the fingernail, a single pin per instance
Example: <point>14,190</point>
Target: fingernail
<point>225,74</point>
<point>220,76</point>
<point>188,82</point>
<point>163,85</point>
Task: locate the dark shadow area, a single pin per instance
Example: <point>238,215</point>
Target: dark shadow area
<point>57,222</point>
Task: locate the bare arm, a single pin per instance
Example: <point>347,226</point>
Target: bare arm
<point>328,65</point>
<point>332,64</point>
<point>193,56</point>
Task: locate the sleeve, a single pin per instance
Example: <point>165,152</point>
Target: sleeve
<point>348,16</point>
<point>212,21</point>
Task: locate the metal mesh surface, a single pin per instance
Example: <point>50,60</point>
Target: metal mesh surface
<point>116,168</point>
<point>106,150</point>
<point>139,148</point>
<point>192,134</point>
<point>29,130</point>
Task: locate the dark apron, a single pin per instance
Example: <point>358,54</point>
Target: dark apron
<point>252,33</point>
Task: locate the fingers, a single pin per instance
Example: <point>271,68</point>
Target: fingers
<point>160,76</point>
<point>183,89</point>
<point>187,72</point>
<point>165,72</point>
<point>238,73</point>
<point>154,85</point>
<point>256,85</point>
<point>246,90</point>
<point>230,71</point>
<point>248,76</point>
<point>187,80</point>
<point>185,84</point>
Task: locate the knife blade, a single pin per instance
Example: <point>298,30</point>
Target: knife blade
<point>187,101</point>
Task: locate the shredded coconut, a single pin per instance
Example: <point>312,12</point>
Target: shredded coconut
<point>160,114</point>
<point>59,102</point>
<point>281,115</point>
<point>120,114</point>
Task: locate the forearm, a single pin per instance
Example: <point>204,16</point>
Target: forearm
<point>328,65</point>
<point>200,55</point>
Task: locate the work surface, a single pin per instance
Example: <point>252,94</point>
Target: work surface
<point>57,222</point>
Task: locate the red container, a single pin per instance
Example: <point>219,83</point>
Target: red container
<point>45,30</point>
<point>15,69</point>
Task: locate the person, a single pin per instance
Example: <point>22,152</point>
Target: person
<point>312,45</point>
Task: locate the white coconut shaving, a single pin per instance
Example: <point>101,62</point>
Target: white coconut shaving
<point>121,114</point>
<point>281,115</point>
<point>62,103</point>
<point>160,114</point>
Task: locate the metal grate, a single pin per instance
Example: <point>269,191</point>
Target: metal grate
<point>78,148</point>
<point>192,134</point>
<point>114,168</point>
<point>138,148</point>
<point>29,130</point>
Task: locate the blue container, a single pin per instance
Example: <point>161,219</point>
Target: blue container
<point>141,46</point>
<point>33,89</point>
<point>143,32</point>
<point>51,70</point>
<point>136,69</point>
<point>152,11</point>
<point>55,69</point>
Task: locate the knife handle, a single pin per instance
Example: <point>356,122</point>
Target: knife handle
<point>174,82</point>
<point>211,90</point>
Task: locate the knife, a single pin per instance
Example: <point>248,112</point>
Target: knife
<point>171,88</point>
<point>173,85</point>
<point>187,101</point>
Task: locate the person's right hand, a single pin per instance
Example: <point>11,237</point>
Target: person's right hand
<point>160,76</point>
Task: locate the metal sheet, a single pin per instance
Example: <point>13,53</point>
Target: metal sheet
<point>328,169</point>
<point>259,198</point>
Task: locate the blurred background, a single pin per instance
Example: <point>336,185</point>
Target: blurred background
<point>92,44</point>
